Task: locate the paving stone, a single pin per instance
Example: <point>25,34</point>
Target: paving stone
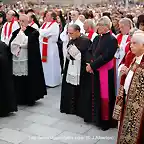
<point>17,124</point>
<point>12,136</point>
<point>67,117</point>
<point>42,130</point>
<point>106,142</point>
<point>73,138</point>
<point>97,133</point>
<point>40,140</point>
<point>41,119</point>
<point>4,142</point>
<point>45,120</point>
<point>72,127</point>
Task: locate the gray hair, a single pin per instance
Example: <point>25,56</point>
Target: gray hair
<point>126,21</point>
<point>138,36</point>
<point>105,21</point>
<point>132,31</point>
<point>90,22</point>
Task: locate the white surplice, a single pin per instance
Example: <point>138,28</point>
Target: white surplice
<point>35,26</point>
<point>52,68</point>
<point>20,54</point>
<point>64,36</point>
<point>119,55</point>
<point>4,38</point>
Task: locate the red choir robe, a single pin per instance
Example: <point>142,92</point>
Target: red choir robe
<point>123,43</point>
<point>129,109</point>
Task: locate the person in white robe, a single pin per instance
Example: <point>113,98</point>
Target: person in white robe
<point>64,35</point>
<point>89,29</point>
<point>9,27</point>
<point>123,38</point>
<point>49,33</point>
<point>33,22</point>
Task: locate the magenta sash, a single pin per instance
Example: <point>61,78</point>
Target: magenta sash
<point>104,89</point>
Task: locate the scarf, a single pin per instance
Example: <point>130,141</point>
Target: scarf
<point>31,24</point>
<point>91,32</point>
<point>122,42</point>
<point>10,28</point>
<point>74,67</point>
<point>45,43</point>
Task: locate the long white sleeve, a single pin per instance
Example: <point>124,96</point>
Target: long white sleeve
<point>52,30</point>
<point>64,35</point>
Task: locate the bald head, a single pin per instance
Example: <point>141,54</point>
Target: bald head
<point>10,15</point>
<point>23,20</point>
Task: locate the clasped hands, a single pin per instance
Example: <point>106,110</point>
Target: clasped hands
<point>124,70</point>
<point>89,69</point>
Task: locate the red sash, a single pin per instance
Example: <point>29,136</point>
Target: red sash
<point>91,32</point>
<point>45,43</point>
<point>119,39</point>
<point>10,28</point>
<point>31,23</point>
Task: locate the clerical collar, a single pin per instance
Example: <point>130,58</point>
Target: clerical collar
<point>105,33</point>
<point>139,58</point>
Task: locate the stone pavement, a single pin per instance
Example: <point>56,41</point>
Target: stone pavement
<point>44,124</point>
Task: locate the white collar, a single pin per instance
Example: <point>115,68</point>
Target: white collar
<point>139,58</point>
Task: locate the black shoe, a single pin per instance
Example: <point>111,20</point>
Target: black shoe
<point>31,103</point>
<point>104,128</point>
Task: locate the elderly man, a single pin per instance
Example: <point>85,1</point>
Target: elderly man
<point>129,108</point>
<point>89,29</point>
<point>73,72</point>
<point>49,33</point>
<point>99,88</point>
<point>9,27</point>
<point>123,38</point>
<point>26,64</point>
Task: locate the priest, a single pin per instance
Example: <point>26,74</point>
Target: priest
<point>49,33</point>
<point>26,64</point>
<point>129,107</point>
<point>73,72</point>
<point>7,96</point>
<point>99,89</point>
<point>90,29</point>
<point>123,38</point>
<point>9,27</point>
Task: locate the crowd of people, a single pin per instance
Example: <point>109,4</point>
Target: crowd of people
<point>96,53</point>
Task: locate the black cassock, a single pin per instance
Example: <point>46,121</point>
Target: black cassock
<point>101,52</point>
<point>7,94</point>
<point>32,87</point>
<point>70,94</point>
